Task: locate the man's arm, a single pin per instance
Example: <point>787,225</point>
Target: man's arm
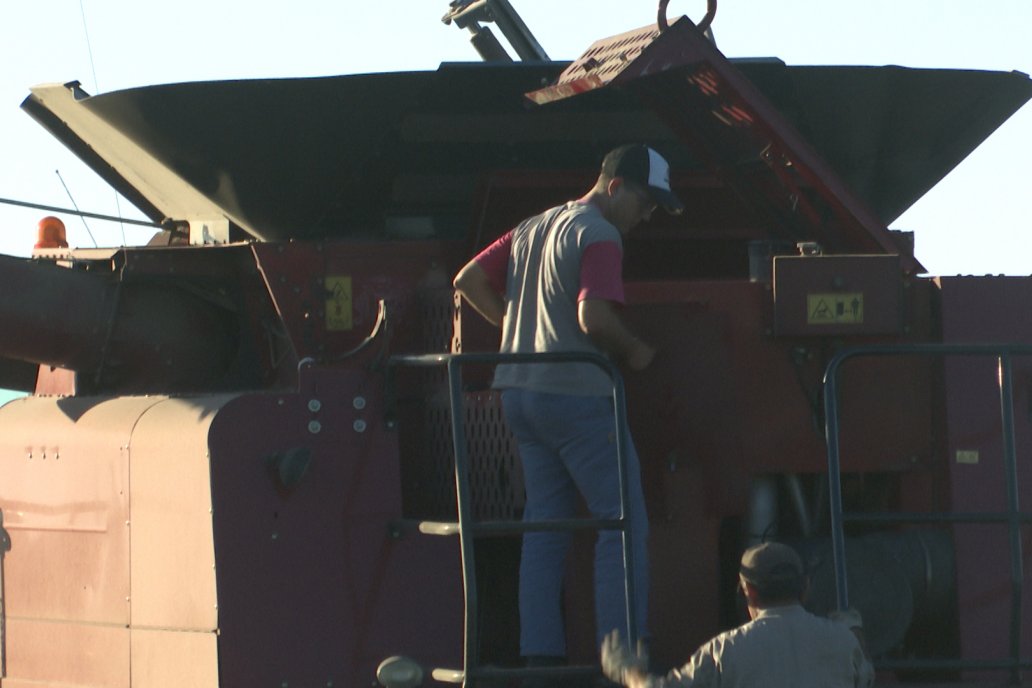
<point>628,669</point>
<point>472,282</point>
<point>600,321</point>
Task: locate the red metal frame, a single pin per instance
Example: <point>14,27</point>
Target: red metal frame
<point>726,121</point>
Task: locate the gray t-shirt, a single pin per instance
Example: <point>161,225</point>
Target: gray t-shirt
<point>541,296</point>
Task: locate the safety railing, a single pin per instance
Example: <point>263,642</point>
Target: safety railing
<point>1013,517</point>
<point>467,528</point>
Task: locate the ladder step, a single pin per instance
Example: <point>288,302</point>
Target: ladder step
<point>489,672</point>
<point>517,527</point>
<point>448,675</point>
<point>439,528</point>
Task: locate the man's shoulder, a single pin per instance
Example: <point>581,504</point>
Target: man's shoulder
<point>590,223</point>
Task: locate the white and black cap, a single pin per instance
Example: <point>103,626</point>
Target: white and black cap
<point>643,165</point>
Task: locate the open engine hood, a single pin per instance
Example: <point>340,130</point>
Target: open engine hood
<point>335,156</point>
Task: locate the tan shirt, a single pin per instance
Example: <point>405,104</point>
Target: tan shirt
<point>783,647</point>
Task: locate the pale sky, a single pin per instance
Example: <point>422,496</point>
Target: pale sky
<point>976,221</point>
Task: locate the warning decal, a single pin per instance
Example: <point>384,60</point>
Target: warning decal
<point>338,303</point>
<point>835,309</point>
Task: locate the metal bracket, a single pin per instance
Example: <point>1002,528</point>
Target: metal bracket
<point>703,26</point>
<point>467,14</point>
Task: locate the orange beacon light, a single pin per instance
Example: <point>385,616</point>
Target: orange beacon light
<point>51,233</point>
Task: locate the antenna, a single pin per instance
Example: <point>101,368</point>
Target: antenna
<point>75,205</point>
<point>96,89</point>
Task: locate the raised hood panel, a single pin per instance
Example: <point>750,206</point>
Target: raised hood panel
<point>336,156</point>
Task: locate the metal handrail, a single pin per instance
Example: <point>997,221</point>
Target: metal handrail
<point>1013,517</point>
<point>467,526</point>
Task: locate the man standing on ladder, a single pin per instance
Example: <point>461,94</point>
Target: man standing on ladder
<point>553,284</point>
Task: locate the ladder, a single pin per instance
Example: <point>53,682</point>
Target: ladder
<point>467,529</point>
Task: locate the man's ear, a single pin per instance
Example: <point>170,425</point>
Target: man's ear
<point>614,185</point>
<point>751,596</point>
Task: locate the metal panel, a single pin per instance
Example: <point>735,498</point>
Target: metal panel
<point>71,589</point>
<point>66,654</point>
<point>837,295</point>
<point>173,557</point>
<point>171,659</point>
<point>315,584</point>
<point>65,497</point>
<point>986,310</point>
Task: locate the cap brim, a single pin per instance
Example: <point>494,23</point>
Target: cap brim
<point>667,200</point>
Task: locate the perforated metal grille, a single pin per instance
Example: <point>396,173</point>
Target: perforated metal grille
<point>496,479</point>
<point>440,480</point>
<point>495,476</point>
<point>438,317</point>
<point>607,58</point>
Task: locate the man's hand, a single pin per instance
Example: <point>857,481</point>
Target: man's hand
<point>619,664</point>
<point>599,320</point>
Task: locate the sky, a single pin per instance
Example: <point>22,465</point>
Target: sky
<point>975,222</point>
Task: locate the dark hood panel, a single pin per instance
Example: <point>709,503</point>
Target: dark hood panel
<point>332,157</point>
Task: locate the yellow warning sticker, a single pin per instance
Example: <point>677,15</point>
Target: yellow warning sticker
<point>835,309</point>
<point>338,303</point>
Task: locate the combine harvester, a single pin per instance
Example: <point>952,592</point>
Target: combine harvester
<point>236,466</point>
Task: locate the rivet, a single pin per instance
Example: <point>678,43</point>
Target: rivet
<point>359,403</point>
<point>314,405</point>
<point>359,425</point>
<point>314,427</point>
<point>275,536</point>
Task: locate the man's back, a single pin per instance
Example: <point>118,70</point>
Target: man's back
<point>784,647</point>
<point>543,287</point>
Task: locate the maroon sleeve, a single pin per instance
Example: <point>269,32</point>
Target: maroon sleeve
<point>601,273</point>
<point>494,261</point>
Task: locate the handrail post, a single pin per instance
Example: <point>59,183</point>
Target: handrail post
<point>469,583</point>
<point>620,419</point>
<point>838,537</point>
<point>1013,523</point>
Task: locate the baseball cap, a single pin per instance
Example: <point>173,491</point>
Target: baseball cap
<point>646,167</point>
<point>770,562</point>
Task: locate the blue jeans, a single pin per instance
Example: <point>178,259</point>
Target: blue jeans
<point>567,445</point>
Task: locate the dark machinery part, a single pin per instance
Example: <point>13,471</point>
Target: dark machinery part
<point>468,14</point>
<point>130,336</point>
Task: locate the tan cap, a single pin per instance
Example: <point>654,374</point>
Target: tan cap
<point>770,562</point>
